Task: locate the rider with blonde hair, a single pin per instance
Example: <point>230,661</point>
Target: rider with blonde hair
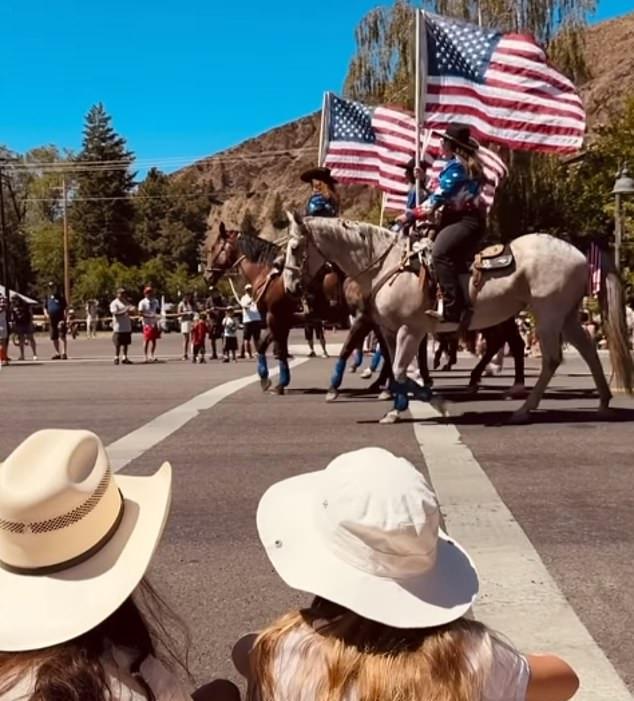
<point>462,217</point>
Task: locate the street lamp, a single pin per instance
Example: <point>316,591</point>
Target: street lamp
<point>623,186</point>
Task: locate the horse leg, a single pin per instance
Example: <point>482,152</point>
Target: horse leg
<point>381,385</point>
<point>357,333</point>
<point>407,343</point>
<point>493,343</point>
<point>575,334</point>
<point>550,341</point>
<point>262,366</point>
<point>284,376</point>
<point>422,363</point>
<point>516,344</point>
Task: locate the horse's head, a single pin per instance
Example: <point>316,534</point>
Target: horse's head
<point>295,271</point>
<point>222,255</point>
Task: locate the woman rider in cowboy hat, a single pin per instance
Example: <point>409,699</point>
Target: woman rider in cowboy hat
<point>462,220</point>
<point>323,201</point>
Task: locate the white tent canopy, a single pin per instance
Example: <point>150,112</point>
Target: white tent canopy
<point>28,300</point>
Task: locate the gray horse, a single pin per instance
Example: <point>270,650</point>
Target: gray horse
<point>549,277</point>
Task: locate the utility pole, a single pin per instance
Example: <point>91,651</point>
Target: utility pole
<point>3,240</point>
<point>66,247</point>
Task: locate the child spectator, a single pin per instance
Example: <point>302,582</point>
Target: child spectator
<point>198,334</point>
<point>230,334</point>
<point>390,618</point>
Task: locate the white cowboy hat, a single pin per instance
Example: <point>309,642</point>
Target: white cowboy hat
<point>364,533</point>
<point>75,541</point>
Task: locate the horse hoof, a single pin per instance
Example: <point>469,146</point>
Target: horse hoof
<point>390,418</point>
<point>429,382</point>
<point>265,383</point>
<point>473,389</point>
<point>517,392</point>
<point>520,418</point>
<point>279,391</point>
<point>332,395</point>
<point>384,395</point>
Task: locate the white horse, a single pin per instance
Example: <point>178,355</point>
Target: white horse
<point>549,277</point>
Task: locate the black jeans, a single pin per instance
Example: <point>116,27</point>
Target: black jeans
<point>456,244</point>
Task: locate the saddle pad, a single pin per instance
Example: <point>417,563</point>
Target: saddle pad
<point>494,258</point>
<point>497,249</point>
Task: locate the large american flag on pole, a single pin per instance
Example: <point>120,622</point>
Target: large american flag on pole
<point>372,146</point>
<point>499,84</point>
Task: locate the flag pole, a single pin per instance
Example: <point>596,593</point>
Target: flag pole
<point>322,128</point>
<point>421,76</point>
<point>382,209</point>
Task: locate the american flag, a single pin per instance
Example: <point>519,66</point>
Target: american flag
<point>501,85</point>
<point>595,268</point>
<point>372,146</point>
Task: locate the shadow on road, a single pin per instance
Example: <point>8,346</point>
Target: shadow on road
<point>545,416</point>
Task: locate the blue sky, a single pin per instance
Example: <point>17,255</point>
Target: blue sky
<point>181,80</point>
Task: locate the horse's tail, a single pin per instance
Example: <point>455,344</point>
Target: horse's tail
<point>612,303</point>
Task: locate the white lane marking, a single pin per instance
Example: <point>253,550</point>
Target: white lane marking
<point>518,597</point>
<point>134,444</point>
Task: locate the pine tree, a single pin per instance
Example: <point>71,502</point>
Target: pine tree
<point>102,213</point>
<point>152,205</point>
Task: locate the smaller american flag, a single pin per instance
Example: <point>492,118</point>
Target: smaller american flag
<point>595,269</point>
<point>372,146</point>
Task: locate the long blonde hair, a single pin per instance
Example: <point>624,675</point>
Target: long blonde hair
<point>344,655</point>
<point>472,163</point>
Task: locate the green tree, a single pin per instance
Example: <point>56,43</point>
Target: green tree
<point>171,218</point>
<point>102,213</point>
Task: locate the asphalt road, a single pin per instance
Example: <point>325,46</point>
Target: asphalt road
<point>566,478</point>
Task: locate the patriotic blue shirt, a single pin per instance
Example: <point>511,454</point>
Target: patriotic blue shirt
<point>320,206</point>
<point>456,189</point>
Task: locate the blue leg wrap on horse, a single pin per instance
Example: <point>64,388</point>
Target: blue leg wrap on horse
<point>422,393</point>
<point>357,359</point>
<point>263,369</point>
<point>337,375</point>
<point>285,374</point>
<point>401,400</point>
<point>376,360</point>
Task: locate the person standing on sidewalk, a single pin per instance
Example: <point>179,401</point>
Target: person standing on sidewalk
<point>92,318</point>
<point>185,312</point>
<point>251,320</point>
<point>150,309</point>
<point>120,309</point>
<point>4,332</point>
<point>230,335</point>
<point>55,307</point>
<point>22,324</point>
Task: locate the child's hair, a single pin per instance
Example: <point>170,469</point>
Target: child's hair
<point>342,655</point>
<point>73,671</point>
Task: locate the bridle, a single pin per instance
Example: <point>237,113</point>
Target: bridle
<point>218,269</point>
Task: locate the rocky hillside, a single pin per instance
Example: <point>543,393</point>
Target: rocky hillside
<point>249,176</point>
<point>610,57</point>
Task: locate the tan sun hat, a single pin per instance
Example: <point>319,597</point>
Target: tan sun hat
<point>75,541</point>
<point>364,533</point>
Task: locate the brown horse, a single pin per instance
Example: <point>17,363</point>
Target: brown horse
<point>254,258</point>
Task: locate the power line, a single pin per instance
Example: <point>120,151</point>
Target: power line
<point>113,165</point>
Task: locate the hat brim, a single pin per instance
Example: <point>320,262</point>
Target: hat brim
<point>317,174</point>
<point>287,526</point>
<point>40,611</point>
<point>473,144</point>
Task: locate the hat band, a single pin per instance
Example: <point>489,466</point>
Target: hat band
<point>78,559</point>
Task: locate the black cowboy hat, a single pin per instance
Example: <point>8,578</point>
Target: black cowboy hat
<point>460,134</point>
<point>321,174</point>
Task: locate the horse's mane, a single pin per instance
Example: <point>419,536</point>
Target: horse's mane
<point>257,250</point>
<point>369,232</point>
